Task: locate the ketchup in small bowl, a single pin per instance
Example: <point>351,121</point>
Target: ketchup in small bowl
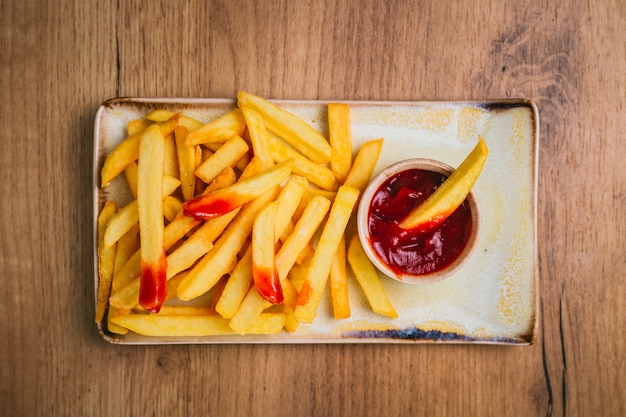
<point>416,255</point>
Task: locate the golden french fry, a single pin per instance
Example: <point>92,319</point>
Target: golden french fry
<point>194,325</point>
<point>127,152</point>
<point>288,201</point>
<point>340,138</point>
<point>126,246</point>
<point>170,160</point>
<point>150,208</point>
<point>219,130</point>
<point>236,287</point>
<point>254,167</point>
<point>160,115</point>
<point>287,230</point>
<point>364,164</point>
<point>291,296</point>
<point>367,276</point>
<point>325,251</point>
<point>303,231</point>
<point>215,264</point>
<point>223,180</point>
<point>128,215</point>
<point>339,283</point>
<point>314,172</point>
<point>130,173</point>
<point>171,207</point>
<point>171,310</point>
<point>249,310</point>
<point>186,163</point>
<point>127,297</point>
<point>264,272</point>
<point>226,156</point>
<point>244,161</point>
<point>226,199</point>
<point>136,126</point>
<point>306,253</point>
<point>258,136</point>
<point>189,123</point>
<point>290,127</point>
<point>112,327</point>
<point>106,260</point>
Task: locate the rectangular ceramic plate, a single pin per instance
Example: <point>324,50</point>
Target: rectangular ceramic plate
<point>492,299</point>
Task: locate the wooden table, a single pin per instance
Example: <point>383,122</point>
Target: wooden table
<point>60,60</point>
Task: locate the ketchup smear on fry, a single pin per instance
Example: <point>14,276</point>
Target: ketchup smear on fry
<point>415,252</point>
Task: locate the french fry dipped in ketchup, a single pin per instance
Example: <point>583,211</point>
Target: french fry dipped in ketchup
<point>229,198</point>
<point>264,272</point>
<point>153,283</point>
<point>451,194</point>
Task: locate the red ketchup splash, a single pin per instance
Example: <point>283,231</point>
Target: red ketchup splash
<point>268,285</point>
<point>153,285</point>
<point>416,251</point>
<point>207,207</point>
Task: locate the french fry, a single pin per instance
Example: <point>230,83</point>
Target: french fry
<point>258,136</point>
<point>126,246</point>
<point>264,272</point>
<point>150,208</point>
<point>236,287</point>
<point>339,283</point>
<point>316,173</point>
<point>226,156</point>
<point>324,253</point>
<point>223,180</point>
<point>249,310</point>
<point>209,270</point>
<point>189,123</point>
<point>135,126</point>
<point>186,163</point>
<point>291,296</point>
<point>112,327</point>
<point>369,280</point>
<point>254,167</point>
<point>364,164</point>
<point>194,325</point>
<point>128,215</point>
<point>340,138</point>
<point>130,173</point>
<point>219,130</point>
<point>171,207</point>
<point>290,127</point>
<point>106,260</point>
<point>160,115</point>
<point>170,160</point>
<point>303,231</point>
<point>226,199</point>
<point>288,201</point>
<point>127,152</point>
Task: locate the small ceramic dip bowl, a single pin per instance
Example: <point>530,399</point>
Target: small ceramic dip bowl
<point>414,256</point>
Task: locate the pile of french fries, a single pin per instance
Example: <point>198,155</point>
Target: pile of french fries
<point>237,225</point>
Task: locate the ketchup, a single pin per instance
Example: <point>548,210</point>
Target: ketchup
<point>415,252</point>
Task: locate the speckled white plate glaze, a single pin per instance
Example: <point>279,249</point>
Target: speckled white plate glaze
<point>491,299</point>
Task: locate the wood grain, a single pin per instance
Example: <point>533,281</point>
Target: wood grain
<point>60,60</point>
